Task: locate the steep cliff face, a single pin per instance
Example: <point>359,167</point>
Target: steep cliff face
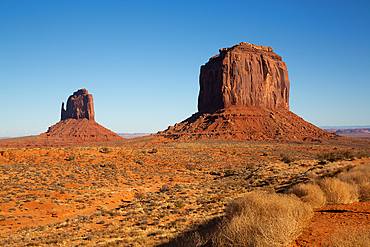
<point>244,75</point>
<point>77,124</point>
<point>79,106</point>
<point>244,95</point>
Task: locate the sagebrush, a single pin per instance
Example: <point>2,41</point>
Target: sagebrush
<point>262,219</point>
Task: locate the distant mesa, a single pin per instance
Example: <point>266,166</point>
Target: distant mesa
<point>244,95</point>
<point>357,132</point>
<point>132,135</point>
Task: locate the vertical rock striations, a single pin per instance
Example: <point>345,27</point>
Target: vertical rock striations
<point>244,75</point>
<point>79,105</point>
<point>244,95</point>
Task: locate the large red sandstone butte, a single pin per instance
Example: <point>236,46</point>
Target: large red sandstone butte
<point>244,95</point>
<point>244,75</point>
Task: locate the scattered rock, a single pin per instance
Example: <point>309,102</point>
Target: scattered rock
<point>165,187</point>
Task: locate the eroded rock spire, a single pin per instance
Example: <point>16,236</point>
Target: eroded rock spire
<point>79,105</point>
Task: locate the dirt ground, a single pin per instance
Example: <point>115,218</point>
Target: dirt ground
<point>147,192</point>
<point>333,217</point>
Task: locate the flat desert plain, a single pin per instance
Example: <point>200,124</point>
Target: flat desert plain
<point>149,192</point>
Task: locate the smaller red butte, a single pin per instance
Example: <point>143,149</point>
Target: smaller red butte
<point>79,105</point>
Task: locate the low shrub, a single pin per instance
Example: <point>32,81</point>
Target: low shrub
<point>139,161</point>
<point>309,193</point>
<point>336,156</point>
<point>262,219</point>
<point>229,172</point>
<point>105,150</point>
<point>349,237</point>
<point>364,193</point>
<point>362,155</point>
<point>359,175</point>
<point>286,158</point>
<point>71,157</point>
<point>179,203</point>
<point>153,151</point>
<point>191,239</point>
<point>190,167</point>
<point>139,195</point>
<point>337,191</point>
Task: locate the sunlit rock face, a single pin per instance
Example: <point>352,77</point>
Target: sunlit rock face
<point>244,75</point>
<point>79,106</point>
<point>244,95</point>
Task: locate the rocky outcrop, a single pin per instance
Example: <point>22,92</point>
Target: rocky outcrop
<point>244,95</point>
<point>80,131</point>
<point>79,106</point>
<point>77,125</point>
<point>246,123</point>
<point>244,75</point>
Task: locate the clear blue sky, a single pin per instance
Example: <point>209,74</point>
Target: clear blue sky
<point>141,60</point>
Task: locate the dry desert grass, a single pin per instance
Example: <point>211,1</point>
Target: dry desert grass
<point>262,219</point>
<point>137,194</point>
<point>349,237</point>
<point>309,193</point>
<point>338,192</point>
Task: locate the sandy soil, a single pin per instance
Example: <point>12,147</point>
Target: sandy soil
<point>146,192</point>
<point>333,217</point>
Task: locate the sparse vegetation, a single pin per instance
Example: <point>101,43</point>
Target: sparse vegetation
<point>336,156</point>
<point>229,172</point>
<point>71,157</point>
<point>105,150</point>
<point>337,191</point>
<point>364,193</point>
<point>349,237</point>
<point>287,158</point>
<point>181,199</point>
<point>309,193</point>
<point>153,151</point>
<point>262,219</point>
